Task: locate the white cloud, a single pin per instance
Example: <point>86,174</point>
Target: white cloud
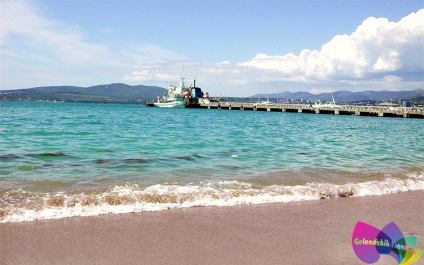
<point>392,78</point>
<point>37,51</point>
<point>226,62</point>
<point>151,55</point>
<point>154,63</point>
<point>320,90</point>
<point>49,52</point>
<point>149,75</point>
<point>21,25</point>
<point>377,46</point>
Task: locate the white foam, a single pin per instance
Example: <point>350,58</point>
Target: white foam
<point>132,198</point>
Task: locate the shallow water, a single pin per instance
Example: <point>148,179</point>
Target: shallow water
<point>62,159</point>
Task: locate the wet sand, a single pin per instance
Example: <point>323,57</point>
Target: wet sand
<point>314,232</point>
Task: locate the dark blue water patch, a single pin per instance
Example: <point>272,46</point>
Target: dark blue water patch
<point>136,160</point>
<point>187,158</point>
<point>105,151</point>
<point>229,152</point>
<point>133,161</point>
<point>62,165</point>
<point>102,161</point>
<point>9,156</point>
<point>77,165</point>
<point>60,154</point>
<point>232,168</point>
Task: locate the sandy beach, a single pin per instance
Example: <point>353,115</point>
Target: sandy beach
<point>313,232</point>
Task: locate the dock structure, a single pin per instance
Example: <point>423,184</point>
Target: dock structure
<point>400,112</point>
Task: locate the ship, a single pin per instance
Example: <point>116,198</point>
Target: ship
<point>175,98</point>
<point>180,96</point>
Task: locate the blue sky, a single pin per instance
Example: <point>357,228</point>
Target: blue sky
<point>238,48</point>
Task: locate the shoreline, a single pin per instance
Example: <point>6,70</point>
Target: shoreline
<point>132,198</point>
<point>309,232</point>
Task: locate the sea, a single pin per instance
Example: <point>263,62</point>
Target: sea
<point>60,160</point>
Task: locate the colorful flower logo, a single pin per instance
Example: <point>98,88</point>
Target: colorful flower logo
<point>369,243</point>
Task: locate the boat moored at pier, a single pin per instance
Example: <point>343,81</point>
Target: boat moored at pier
<point>180,96</point>
<point>175,98</point>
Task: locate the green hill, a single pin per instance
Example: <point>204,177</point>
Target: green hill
<point>110,93</point>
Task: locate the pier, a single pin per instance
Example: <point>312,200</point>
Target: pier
<point>399,112</point>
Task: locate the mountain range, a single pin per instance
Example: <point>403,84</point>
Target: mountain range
<point>122,93</point>
<point>110,93</point>
<point>347,96</point>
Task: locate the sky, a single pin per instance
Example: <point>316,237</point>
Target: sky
<point>233,47</point>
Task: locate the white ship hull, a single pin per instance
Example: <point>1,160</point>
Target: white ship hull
<point>171,104</point>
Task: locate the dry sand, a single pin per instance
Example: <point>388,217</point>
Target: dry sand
<point>314,232</point>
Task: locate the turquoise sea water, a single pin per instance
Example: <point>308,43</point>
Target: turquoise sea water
<point>62,159</point>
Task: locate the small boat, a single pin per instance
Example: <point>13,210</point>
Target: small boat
<point>262,103</point>
<point>331,104</point>
<point>170,103</point>
<point>176,97</point>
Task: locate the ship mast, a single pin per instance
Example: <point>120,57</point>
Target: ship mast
<point>195,77</point>
<point>182,85</point>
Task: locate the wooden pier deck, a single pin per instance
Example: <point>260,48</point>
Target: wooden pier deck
<point>400,112</point>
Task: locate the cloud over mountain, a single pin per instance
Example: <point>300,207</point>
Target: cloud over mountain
<point>378,49</point>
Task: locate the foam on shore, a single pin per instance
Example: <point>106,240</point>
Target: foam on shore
<point>21,205</point>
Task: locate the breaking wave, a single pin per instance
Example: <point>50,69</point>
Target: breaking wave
<point>21,205</point>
